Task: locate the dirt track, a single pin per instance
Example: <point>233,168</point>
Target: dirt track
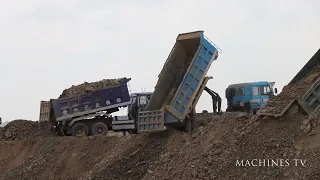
<point>208,153</point>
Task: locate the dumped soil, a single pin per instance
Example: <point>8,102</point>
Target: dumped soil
<point>19,129</point>
<point>290,92</point>
<point>298,89</point>
<point>77,90</point>
<point>210,152</point>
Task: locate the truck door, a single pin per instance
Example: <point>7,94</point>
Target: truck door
<point>265,91</point>
<point>256,97</point>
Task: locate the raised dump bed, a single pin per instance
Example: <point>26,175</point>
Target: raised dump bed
<point>181,82</point>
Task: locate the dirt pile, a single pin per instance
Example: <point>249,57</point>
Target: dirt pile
<point>290,92</point>
<point>19,129</point>
<point>55,157</point>
<point>300,88</point>
<point>210,152</point>
<point>86,87</point>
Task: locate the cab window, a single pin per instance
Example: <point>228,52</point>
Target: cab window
<point>143,100</point>
<point>239,92</point>
<point>255,91</point>
<point>265,90</point>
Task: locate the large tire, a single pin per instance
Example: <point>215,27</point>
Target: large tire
<point>99,128</point>
<point>79,129</point>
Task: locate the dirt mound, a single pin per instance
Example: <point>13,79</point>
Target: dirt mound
<point>290,92</point>
<point>300,88</point>
<point>86,87</point>
<point>210,152</point>
<point>19,129</point>
<point>55,157</point>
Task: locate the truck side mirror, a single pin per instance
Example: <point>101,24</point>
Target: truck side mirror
<point>276,90</point>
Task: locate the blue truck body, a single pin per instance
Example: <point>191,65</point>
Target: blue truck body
<point>103,100</point>
<point>249,96</point>
<point>194,53</point>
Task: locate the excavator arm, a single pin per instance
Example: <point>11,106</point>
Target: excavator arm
<point>216,100</point>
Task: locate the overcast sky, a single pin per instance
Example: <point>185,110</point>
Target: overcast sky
<point>48,45</point>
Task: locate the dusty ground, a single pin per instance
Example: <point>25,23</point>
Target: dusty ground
<point>208,153</point>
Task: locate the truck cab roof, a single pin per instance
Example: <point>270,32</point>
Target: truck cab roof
<point>250,83</point>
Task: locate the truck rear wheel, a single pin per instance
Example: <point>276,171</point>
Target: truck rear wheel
<point>99,128</point>
<point>79,129</point>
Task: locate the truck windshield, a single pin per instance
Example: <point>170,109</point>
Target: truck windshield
<point>265,90</point>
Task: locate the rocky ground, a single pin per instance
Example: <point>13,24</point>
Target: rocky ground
<point>210,152</point>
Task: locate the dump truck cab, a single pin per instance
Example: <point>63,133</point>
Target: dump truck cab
<point>249,97</point>
<point>139,101</point>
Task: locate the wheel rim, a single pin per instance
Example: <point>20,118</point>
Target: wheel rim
<point>100,130</point>
<point>81,131</point>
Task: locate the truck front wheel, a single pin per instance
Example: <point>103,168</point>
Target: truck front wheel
<point>99,128</point>
<point>79,129</point>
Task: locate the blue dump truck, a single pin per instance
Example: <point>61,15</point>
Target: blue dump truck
<point>179,87</point>
<point>249,97</point>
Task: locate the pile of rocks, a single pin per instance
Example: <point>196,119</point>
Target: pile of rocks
<point>19,129</point>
